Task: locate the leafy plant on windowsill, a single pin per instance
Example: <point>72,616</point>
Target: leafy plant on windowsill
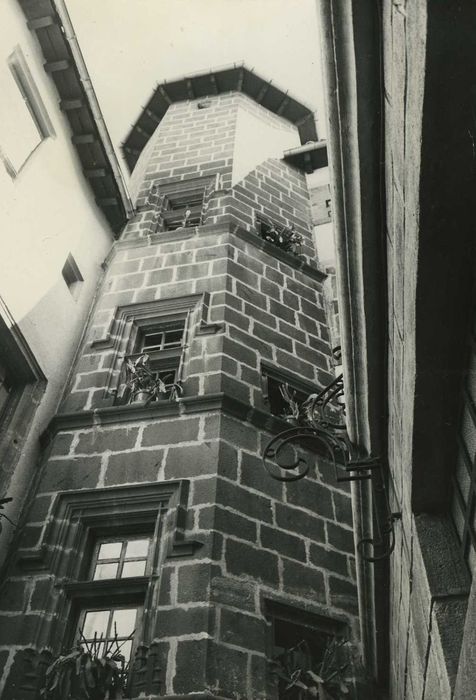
<point>300,677</point>
<point>145,386</point>
<point>283,237</point>
<point>94,670</point>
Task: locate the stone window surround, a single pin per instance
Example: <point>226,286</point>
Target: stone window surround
<point>78,519</point>
<point>132,319</point>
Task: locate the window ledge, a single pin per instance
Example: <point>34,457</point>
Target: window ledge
<point>91,589</point>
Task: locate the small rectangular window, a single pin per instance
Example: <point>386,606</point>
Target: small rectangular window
<point>182,210</point>
<point>72,276</point>
<point>24,119</point>
<point>184,203</point>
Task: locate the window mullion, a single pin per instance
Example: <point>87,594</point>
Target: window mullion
<point>121,559</point>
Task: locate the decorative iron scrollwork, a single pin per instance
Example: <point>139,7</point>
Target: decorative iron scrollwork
<point>318,425</point>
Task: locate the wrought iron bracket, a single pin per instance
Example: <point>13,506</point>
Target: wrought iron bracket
<point>318,426</point>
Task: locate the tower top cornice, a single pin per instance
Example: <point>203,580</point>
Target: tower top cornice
<point>233,78</point>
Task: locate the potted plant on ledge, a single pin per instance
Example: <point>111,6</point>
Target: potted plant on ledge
<point>95,670</point>
<point>144,385</point>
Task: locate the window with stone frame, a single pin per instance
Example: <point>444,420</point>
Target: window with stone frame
<point>134,528</point>
<point>154,337</point>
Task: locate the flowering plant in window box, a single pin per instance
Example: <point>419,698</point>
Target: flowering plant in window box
<point>301,676</point>
<point>145,385</point>
<point>286,238</point>
<point>94,670</point>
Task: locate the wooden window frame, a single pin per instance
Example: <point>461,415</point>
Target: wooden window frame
<point>122,559</point>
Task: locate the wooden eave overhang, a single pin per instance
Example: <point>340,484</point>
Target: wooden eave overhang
<point>237,78</point>
<point>308,158</point>
<point>43,18</point>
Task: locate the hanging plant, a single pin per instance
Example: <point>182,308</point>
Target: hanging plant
<point>92,671</point>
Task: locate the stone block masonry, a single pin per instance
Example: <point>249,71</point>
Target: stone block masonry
<point>204,142</point>
<point>231,543</point>
<point>265,309</point>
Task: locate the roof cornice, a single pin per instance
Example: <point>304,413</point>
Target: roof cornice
<point>64,62</point>
<point>234,78</point>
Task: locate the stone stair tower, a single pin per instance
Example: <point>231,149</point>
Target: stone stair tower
<point>155,512</point>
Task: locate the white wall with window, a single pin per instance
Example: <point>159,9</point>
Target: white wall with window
<point>47,214</point>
